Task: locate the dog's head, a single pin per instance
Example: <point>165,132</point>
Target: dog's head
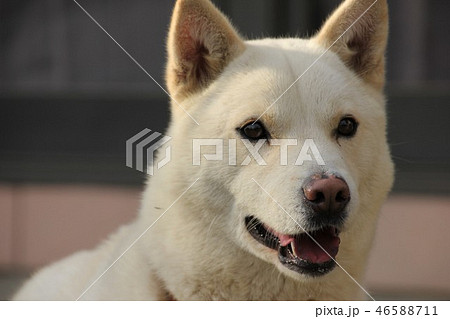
<point>300,163</point>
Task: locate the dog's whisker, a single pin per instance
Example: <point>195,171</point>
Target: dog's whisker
<point>210,225</point>
<point>404,159</point>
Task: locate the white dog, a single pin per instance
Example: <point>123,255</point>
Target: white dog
<point>247,231</point>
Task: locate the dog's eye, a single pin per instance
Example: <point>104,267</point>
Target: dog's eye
<point>254,131</point>
<point>347,127</point>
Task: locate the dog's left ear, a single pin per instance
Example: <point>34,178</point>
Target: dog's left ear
<point>360,29</point>
<point>201,43</point>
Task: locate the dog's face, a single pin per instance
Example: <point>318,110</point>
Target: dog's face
<point>313,118</point>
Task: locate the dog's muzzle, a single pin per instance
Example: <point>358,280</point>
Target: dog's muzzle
<point>313,251</point>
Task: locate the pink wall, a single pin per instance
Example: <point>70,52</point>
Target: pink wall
<point>412,247</point>
<point>45,223</point>
<point>40,224</point>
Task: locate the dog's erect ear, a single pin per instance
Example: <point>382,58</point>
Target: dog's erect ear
<point>201,43</point>
<point>362,47</point>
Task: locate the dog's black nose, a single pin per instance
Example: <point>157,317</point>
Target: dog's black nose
<point>327,194</point>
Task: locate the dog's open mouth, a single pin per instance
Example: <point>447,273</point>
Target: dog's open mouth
<point>300,253</point>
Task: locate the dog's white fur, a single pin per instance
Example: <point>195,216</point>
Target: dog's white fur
<point>200,249</point>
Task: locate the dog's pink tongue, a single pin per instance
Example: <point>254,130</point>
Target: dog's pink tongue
<point>306,249</point>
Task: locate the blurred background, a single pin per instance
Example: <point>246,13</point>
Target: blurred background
<point>70,98</point>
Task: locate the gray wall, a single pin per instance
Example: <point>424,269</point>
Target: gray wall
<point>69,97</point>
<point>52,45</point>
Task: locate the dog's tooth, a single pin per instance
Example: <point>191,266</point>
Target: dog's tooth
<point>293,248</point>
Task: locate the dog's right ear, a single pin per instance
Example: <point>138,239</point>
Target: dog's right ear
<point>201,44</point>
<point>357,32</point>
